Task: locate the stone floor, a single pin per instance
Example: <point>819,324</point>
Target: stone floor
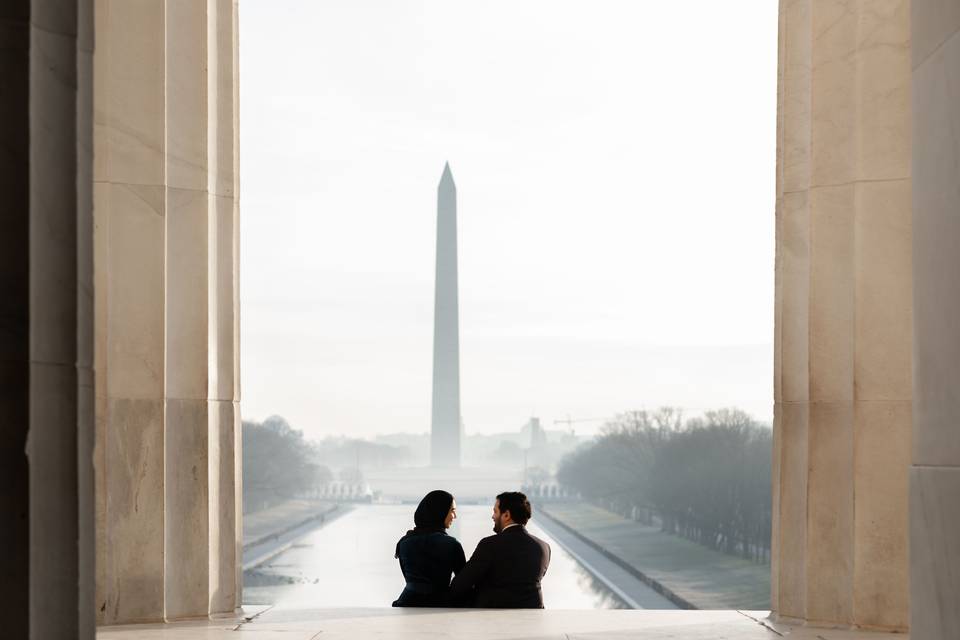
<point>278,623</point>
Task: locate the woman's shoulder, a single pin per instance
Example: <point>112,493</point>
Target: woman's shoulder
<point>449,542</point>
<point>432,538</point>
<point>442,538</point>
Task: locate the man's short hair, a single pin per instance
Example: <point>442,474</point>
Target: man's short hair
<point>517,504</point>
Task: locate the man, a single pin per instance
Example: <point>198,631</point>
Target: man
<point>506,568</point>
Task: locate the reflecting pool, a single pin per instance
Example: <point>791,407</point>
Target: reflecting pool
<point>350,563</point>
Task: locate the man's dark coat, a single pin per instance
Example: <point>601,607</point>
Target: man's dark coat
<point>504,572</point>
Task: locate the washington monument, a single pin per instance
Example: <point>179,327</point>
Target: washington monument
<point>445,425</point>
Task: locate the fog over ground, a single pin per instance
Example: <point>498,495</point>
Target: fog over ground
<point>615,172</point>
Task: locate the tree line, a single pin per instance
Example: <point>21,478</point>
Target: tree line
<point>278,464</point>
<point>706,479</point>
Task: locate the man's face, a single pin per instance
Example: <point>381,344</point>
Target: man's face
<point>498,518</point>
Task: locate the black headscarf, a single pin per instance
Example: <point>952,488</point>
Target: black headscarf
<point>431,515</point>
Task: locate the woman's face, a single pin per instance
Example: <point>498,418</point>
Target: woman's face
<point>451,515</point>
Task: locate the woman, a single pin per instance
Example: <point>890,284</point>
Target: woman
<point>428,555</point>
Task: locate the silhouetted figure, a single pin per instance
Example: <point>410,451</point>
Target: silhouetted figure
<point>506,569</point>
<point>428,556</point>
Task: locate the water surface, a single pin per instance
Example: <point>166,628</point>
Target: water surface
<point>350,563</point>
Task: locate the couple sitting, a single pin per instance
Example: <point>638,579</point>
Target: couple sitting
<point>503,572</point>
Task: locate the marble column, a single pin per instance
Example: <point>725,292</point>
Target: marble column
<point>935,474</point>
<point>843,314</point>
<point>129,214</point>
<point>45,313</point>
<point>166,294</point>
<point>224,300</point>
<point>186,437</point>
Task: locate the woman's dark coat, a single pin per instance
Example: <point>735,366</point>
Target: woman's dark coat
<point>427,561</point>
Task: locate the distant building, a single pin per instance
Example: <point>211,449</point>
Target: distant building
<point>536,435</point>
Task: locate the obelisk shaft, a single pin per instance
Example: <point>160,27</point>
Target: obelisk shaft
<point>445,425</point>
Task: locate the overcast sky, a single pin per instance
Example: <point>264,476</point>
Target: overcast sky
<point>614,163</point>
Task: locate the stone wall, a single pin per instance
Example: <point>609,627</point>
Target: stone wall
<point>167,312</point>
<point>843,313</point>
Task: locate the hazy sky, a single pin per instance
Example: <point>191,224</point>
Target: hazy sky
<point>615,171</point>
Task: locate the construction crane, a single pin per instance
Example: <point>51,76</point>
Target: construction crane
<point>571,421</point>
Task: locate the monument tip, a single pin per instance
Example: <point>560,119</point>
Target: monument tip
<point>447,174</point>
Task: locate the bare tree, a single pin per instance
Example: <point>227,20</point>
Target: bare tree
<point>707,479</point>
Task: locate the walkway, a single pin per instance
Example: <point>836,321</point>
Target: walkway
<point>266,522</point>
<point>629,588</point>
<point>692,573</point>
<point>269,532</point>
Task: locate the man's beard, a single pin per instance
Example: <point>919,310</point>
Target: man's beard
<point>497,525</point>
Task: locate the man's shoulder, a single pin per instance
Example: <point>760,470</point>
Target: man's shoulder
<point>488,540</point>
<point>529,540</point>
<point>520,533</point>
<point>539,540</point>
<point>543,543</point>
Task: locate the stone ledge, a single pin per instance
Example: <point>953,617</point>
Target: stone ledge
<point>278,623</point>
